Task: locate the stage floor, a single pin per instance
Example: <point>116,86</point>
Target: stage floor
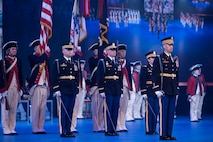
<point>184,130</point>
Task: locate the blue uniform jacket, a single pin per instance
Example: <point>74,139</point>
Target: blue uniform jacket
<point>110,78</point>
<point>145,80</point>
<point>65,77</point>
<point>167,79</point>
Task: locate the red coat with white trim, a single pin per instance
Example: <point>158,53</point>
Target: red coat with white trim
<point>35,61</point>
<point>17,69</point>
<point>192,84</point>
<point>136,77</point>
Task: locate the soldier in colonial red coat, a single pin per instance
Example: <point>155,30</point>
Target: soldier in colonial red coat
<point>79,101</point>
<point>11,83</point>
<point>196,90</point>
<point>96,100</point>
<point>39,86</point>
<point>139,103</point>
<point>121,124</point>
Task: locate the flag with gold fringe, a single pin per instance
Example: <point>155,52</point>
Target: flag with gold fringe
<point>103,24</point>
<point>78,30</point>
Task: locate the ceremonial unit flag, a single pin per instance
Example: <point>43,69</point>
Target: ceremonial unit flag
<point>78,30</point>
<point>103,24</point>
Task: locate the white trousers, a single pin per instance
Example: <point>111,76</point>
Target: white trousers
<point>8,117</point>
<point>129,113</point>
<point>38,103</point>
<point>137,106</point>
<point>195,100</point>
<point>121,122</point>
<point>200,106</point>
<point>97,104</point>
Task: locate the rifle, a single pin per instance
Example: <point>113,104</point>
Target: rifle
<point>4,78</point>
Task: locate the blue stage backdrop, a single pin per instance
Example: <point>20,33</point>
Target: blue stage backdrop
<point>138,23</point>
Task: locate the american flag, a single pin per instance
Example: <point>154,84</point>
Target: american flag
<point>46,25</point>
<point>78,30</point>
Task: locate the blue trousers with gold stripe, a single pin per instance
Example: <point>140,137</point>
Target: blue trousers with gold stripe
<point>68,102</point>
<point>112,102</point>
<point>152,110</point>
<point>167,109</point>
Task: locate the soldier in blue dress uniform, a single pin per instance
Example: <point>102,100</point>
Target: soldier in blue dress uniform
<point>65,81</point>
<point>165,85</point>
<point>110,84</point>
<point>148,94</point>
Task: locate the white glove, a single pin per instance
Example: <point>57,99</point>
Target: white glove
<point>57,94</point>
<point>20,92</point>
<point>47,48</point>
<point>103,95</point>
<point>189,98</point>
<point>122,95</point>
<point>4,94</point>
<point>144,96</point>
<point>78,48</point>
<point>159,94</point>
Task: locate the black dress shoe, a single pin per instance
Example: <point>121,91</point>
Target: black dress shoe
<point>99,131</point>
<point>164,138</point>
<point>14,133</point>
<point>154,133</point>
<point>149,133</point>
<point>108,134</point>
<point>42,132</point>
<point>171,138</point>
<point>195,121</point>
<point>115,134</point>
<point>71,135</point>
<point>124,130</point>
<point>7,134</point>
<point>63,135</point>
<point>36,132</point>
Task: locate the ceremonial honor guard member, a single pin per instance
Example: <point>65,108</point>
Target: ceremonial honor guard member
<point>65,82</point>
<point>39,86</point>
<point>121,124</point>
<point>79,101</point>
<point>129,113</point>
<point>196,90</point>
<point>110,85</point>
<point>11,84</point>
<point>165,84</point>
<point>82,88</point>
<point>138,98</point>
<point>152,107</point>
<point>96,101</point>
